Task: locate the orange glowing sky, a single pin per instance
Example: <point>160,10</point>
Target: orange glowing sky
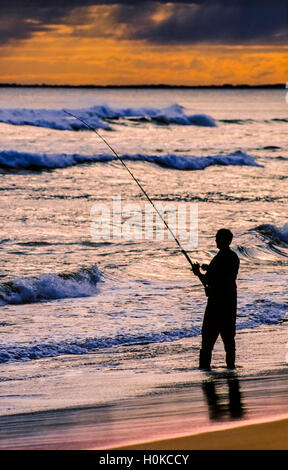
<point>89,47</point>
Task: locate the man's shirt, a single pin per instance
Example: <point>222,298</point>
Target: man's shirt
<point>221,274</point>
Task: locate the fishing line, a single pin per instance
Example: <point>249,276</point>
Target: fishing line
<point>136,181</point>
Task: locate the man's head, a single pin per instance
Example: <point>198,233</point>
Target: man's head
<point>223,238</point>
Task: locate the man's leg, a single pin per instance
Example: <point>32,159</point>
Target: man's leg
<point>210,332</point>
<point>228,337</point>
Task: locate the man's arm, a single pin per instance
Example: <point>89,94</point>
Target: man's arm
<point>197,272</point>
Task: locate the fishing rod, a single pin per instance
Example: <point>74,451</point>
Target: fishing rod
<point>136,181</point>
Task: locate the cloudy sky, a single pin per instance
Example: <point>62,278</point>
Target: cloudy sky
<point>100,42</point>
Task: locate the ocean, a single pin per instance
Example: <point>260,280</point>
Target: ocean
<point>88,319</point>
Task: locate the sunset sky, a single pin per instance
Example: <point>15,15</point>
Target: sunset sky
<point>107,42</point>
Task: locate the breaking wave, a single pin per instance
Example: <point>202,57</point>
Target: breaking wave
<point>50,287</point>
<point>100,116</point>
<point>273,233</point>
<point>10,159</point>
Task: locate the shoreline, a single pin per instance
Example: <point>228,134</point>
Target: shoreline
<point>185,408</point>
<point>256,419</point>
<point>259,435</point>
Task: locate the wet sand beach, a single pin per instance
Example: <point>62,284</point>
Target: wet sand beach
<point>271,435</point>
<point>196,410</point>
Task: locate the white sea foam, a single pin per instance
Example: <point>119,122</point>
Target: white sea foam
<point>53,349</point>
<point>252,316</point>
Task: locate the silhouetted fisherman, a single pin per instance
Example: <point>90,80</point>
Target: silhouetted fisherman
<point>221,290</point>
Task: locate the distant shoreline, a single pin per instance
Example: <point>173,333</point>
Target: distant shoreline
<point>160,86</point>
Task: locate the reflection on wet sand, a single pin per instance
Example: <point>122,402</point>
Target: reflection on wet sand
<point>223,398</point>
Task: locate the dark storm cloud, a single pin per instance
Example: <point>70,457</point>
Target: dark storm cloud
<point>19,19</point>
<point>220,21</point>
<point>185,22</point>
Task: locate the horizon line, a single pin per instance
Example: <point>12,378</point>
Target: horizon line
<point>160,85</point>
